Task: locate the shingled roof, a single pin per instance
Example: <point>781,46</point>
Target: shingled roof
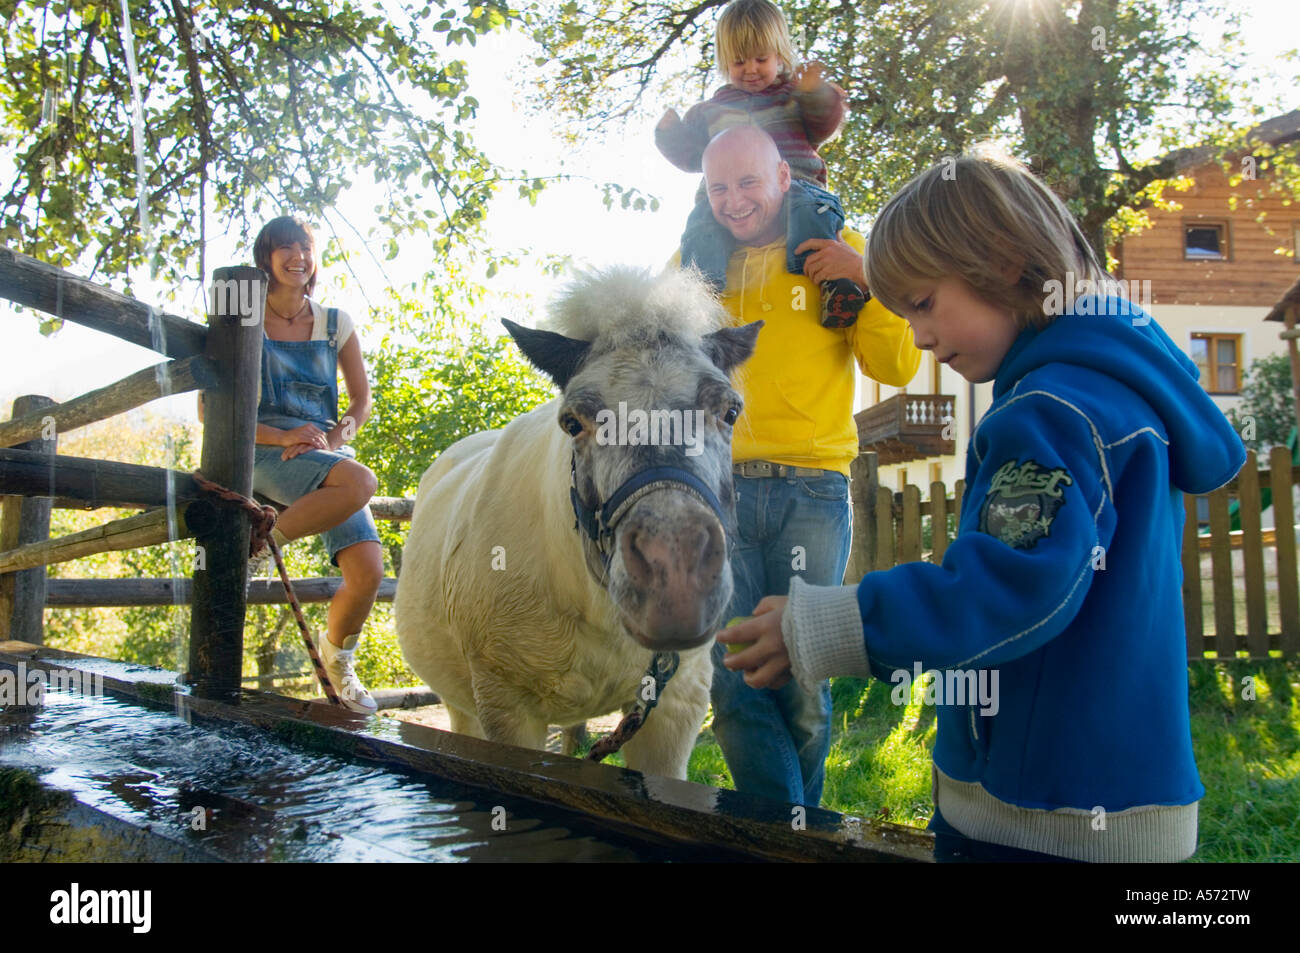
<point>1292,297</point>
<point>1275,131</point>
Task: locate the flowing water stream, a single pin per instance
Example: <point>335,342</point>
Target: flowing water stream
<point>257,799</point>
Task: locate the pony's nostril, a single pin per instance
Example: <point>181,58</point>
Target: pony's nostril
<point>713,551</point>
<point>634,558</point>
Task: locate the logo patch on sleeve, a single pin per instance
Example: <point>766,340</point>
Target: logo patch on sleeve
<point>1022,502</point>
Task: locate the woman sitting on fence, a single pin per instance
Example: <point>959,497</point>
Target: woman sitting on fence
<point>301,458</point>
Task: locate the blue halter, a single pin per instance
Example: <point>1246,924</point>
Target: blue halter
<point>599,524</point>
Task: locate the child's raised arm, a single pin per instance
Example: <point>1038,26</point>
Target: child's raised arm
<point>821,103</point>
<point>682,141</point>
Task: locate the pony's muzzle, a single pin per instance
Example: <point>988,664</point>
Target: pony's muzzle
<point>676,564</point>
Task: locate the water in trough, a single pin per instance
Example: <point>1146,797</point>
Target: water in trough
<point>261,800</point>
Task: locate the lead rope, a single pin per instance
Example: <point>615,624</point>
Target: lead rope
<point>261,521</point>
<point>662,667</point>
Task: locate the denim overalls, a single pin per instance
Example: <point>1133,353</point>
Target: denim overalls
<point>300,386</point>
<point>300,380</point>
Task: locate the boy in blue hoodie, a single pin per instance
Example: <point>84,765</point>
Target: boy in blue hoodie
<point>1063,588</point>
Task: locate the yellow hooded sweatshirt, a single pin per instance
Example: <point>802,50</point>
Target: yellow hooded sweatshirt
<point>798,386</point>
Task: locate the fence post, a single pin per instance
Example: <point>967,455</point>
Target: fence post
<point>1288,600</point>
<point>1193,611</point>
<point>863,483</point>
<point>909,536</point>
<point>234,344</point>
<point>885,547</point>
<point>938,521</point>
<point>1252,557</point>
<point>23,520</point>
<point>1225,613</point>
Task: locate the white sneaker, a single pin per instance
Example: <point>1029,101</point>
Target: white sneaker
<point>257,565</point>
<point>338,664</point>
<point>263,564</point>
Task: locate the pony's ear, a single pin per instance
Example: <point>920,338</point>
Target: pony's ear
<point>553,354</point>
<point>731,346</point>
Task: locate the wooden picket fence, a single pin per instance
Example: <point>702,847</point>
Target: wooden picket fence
<point>1241,590</point>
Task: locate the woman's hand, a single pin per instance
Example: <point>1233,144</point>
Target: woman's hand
<point>766,663</point>
<point>831,258</point>
<point>294,449</point>
<point>308,434</point>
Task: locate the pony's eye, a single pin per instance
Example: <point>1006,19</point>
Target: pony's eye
<point>571,424</point>
<point>731,416</point>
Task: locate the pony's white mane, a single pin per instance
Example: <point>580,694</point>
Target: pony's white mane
<point>622,304</point>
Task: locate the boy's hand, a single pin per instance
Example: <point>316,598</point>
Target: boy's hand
<point>670,119</point>
<point>809,77</point>
<point>765,663</point>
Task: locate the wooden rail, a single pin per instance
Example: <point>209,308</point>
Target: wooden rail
<point>147,529</point>
<point>161,380</point>
<point>61,294</point>
<point>94,482</point>
<point>66,593</point>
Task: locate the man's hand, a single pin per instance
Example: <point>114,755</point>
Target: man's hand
<point>670,119</point>
<point>809,77</point>
<point>832,258</point>
<point>765,663</point>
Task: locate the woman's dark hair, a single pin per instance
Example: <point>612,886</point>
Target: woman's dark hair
<point>284,230</point>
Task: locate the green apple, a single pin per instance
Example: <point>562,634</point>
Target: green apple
<point>734,647</point>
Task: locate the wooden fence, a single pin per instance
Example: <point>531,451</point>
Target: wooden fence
<point>223,360</point>
<point>1244,603</point>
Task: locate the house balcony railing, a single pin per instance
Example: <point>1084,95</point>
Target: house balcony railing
<point>908,427</point>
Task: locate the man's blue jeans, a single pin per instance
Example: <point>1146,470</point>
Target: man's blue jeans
<point>776,742</point>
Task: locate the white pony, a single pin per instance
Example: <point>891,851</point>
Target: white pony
<point>550,560</point>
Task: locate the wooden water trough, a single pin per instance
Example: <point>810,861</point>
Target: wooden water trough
<point>700,822</point>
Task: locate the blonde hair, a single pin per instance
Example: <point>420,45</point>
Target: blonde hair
<point>974,217</point>
<point>752,28</point>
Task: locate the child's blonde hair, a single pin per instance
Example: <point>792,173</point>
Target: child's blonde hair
<point>751,28</point>
<point>973,217</point>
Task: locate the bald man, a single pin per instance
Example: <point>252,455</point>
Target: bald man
<point>791,447</point>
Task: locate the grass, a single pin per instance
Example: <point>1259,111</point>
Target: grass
<point>1247,751</point>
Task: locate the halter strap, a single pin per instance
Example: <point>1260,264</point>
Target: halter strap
<point>599,524</point>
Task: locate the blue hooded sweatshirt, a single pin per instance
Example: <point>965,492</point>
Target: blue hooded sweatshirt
<point>1066,576</point>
